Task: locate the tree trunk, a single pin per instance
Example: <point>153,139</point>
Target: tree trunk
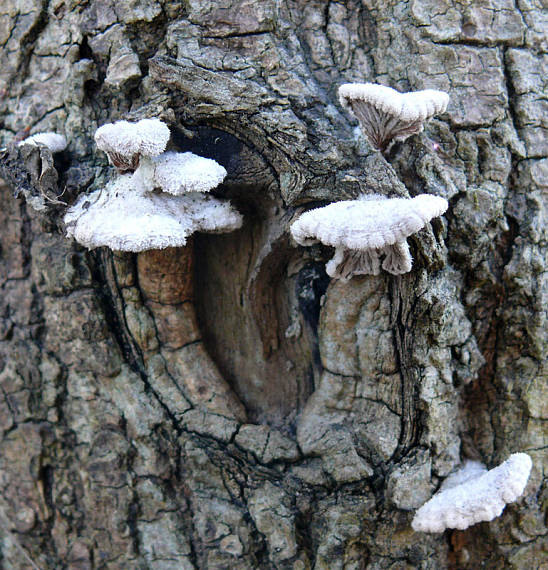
<point>249,412</point>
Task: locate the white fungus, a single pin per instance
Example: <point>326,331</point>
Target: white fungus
<point>54,141</point>
<point>474,495</point>
<point>385,114</point>
<point>177,173</point>
<point>126,142</point>
<point>363,230</point>
<point>126,219</point>
<point>137,211</point>
<point>470,470</point>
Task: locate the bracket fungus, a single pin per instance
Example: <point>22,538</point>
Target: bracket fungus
<point>126,217</point>
<point>178,173</point>
<point>363,230</point>
<point>473,495</point>
<point>54,141</point>
<point>28,166</point>
<point>385,114</point>
<point>125,143</point>
<point>152,207</point>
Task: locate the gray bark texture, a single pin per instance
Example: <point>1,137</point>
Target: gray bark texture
<point>227,405</point>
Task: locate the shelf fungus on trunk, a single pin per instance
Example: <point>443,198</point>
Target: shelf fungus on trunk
<point>125,216</point>
<point>385,114</point>
<point>178,172</point>
<point>125,143</point>
<point>152,208</point>
<point>158,199</point>
<point>364,230</point>
<point>54,141</point>
<point>473,495</point>
<point>28,166</point>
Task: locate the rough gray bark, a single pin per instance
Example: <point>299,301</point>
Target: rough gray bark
<point>291,422</point>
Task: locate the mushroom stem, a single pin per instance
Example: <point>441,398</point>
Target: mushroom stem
<point>349,262</point>
<point>167,284</point>
<point>398,258</point>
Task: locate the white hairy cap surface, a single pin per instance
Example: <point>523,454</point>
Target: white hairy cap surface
<point>374,222</point>
<point>479,495</point>
<point>178,173</point>
<point>54,141</point>
<point>413,106</point>
<point>124,218</point>
<point>470,470</point>
<point>147,137</point>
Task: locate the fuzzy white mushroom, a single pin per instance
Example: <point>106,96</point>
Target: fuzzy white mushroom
<point>126,142</point>
<point>363,230</point>
<point>135,213</point>
<point>138,211</point>
<point>124,218</point>
<point>178,173</point>
<point>385,114</point>
<point>54,141</point>
<point>473,495</point>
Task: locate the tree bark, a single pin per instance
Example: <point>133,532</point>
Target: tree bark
<point>249,412</point>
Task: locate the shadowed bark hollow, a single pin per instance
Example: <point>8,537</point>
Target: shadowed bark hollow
<point>226,404</point>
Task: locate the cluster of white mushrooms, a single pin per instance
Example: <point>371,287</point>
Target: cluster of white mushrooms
<point>373,227</point>
<point>160,198</point>
<point>364,230</point>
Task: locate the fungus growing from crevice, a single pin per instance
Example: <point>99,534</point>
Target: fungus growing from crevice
<point>28,167</point>
<point>473,495</point>
<point>363,230</point>
<point>152,208</point>
<point>385,114</point>
<point>154,205</point>
<point>125,143</point>
<point>54,141</point>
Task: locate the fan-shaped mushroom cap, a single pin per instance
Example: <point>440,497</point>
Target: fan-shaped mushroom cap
<point>54,141</point>
<point>473,495</point>
<point>125,142</point>
<point>367,223</point>
<point>178,173</point>
<point>363,230</point>
<point>385,114</point>
<point>125,219</point>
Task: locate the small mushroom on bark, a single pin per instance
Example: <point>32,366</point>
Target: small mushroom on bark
<point>125,143</point>
<point>153,211</point>
<point>178,173</point>
<point>473,495</point>
<point>54,141</point>
<point>28,166</point>
<point>385,114</point>
<point>363,230</point>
